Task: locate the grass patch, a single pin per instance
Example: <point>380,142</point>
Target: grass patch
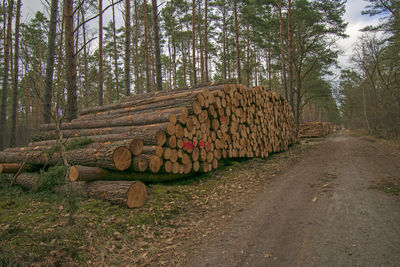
<point>388,184</point>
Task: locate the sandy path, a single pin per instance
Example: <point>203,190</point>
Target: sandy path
<point>319,212</point>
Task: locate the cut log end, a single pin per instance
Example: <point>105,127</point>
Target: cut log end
<point>136,195</point>
<point>73,173</point>
<point>161,138</point>
<point>155,164</point>
<point>136,146</point>
<point>122,158</point>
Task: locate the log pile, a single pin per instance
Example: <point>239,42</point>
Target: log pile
<point>315,129</point>
<point>164,137</point>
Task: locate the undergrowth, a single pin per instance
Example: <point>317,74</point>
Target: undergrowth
<point>54,176</point>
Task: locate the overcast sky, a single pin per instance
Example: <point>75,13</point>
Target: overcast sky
<point>353,17</point>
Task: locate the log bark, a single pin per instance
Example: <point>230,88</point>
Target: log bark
<point>128,120</point>
<point>132,194</point>
<point>9,167</point>
<point>110,156</point>
<point>152,98</point>
<point>83,173</point>
<point>124,131</point>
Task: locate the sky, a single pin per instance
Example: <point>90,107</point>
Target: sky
<point>356,22</point>
<point>353,16</point>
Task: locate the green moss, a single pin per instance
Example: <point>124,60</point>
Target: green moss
<point>76,143</point>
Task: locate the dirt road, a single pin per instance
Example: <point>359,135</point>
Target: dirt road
<point>319,212</point>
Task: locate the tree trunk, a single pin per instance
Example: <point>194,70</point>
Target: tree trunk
<point>137,89</point>
<point>115,51</point>
<point>239,77</point>
<point>173,59</point>
<point>282,49</point>
<point>157,49</point>
<point>86,68</point>
<point>194,42</point>
<point>16,71</point>
<point>100,90</point>
<point>7,46</point>
<point>51,44</point>
<point>184,63</point>
<point>223,40</point>
<point>146,49</point>
<point>201,48</point>
<point>70,59</point>
<point>206,38</point>
<point>248,57</point>
<point>290,54</point>
<point>269,67</point>
<point>60,82</point>
<point>127,67</point>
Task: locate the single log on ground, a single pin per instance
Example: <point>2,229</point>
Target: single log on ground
<point>126,193</point>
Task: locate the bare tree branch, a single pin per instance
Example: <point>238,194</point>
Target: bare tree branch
<point>77,27</point>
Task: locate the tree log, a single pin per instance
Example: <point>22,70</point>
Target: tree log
<point>128,120</point>
<point>9,167</point>
<point>110,156</point>
<point>126,193</point>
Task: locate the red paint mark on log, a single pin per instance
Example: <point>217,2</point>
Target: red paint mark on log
<point>201,143</point>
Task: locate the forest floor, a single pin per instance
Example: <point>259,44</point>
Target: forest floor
<point>331,201</point>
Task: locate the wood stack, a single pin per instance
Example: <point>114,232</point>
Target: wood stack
<point>165,137</point>
<point>315,129</point>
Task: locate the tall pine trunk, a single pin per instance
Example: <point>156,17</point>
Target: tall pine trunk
<point>201,48</point>
<point>239,77</point>
<point>146,48</point>
<point>7,46</point>
<point>115,52</point>
<point>194,42</point>
<point>100,92</point>
<point>15,78</point>
<point>85,81</point>
<point>127,66</point>
<point>290,54</point>
<point>157,49</point>
<point>70,60</point>
<point>282,49</point>
<point>51,44</point>
<point>137,89</point>
<point>223,40</point>
<point>206,39</point>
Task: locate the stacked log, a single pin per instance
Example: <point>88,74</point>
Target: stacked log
<point>315,129</point>
<point>165,137</point>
